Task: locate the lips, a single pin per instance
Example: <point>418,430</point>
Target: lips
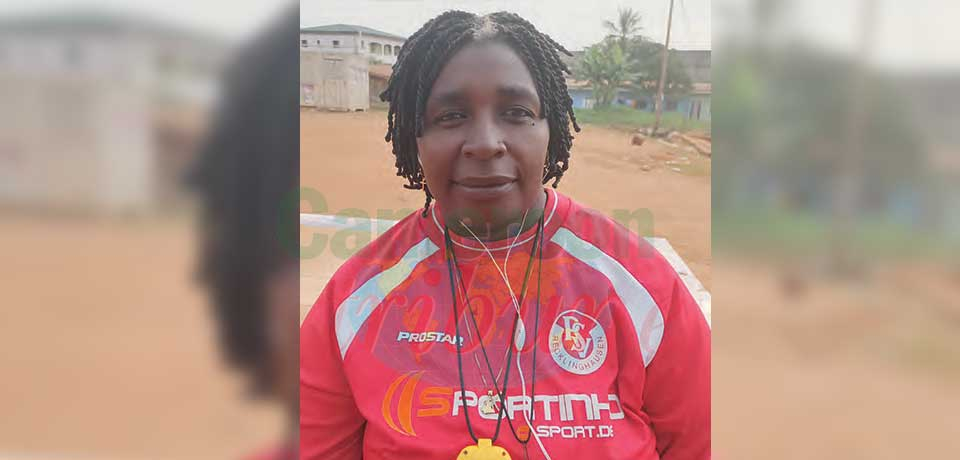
<point>484,181</point>
<point>485,187</point>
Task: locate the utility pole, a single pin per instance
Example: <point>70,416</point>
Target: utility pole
<point>663,72</point>
<point>848,180</point>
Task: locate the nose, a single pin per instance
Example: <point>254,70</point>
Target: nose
<point>484,140</point>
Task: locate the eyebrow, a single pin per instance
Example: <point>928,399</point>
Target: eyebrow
<point>455,97</point>
<point>458,97</point>
<point>517,91</point>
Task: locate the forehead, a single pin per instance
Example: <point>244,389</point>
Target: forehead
<point>482,68</point>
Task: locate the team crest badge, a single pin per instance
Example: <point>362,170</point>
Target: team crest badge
<point>577,342</point>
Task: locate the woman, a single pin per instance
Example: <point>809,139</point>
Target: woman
<point>566,335</point>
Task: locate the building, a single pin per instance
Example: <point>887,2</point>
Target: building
<point>100,110</point>
<point>334,81</point>
<point>380,46</point>
<point>379,77</point>
<point>694,105</point>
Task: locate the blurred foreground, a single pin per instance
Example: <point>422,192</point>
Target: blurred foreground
<point>837,285</point>
<point>108,346</point>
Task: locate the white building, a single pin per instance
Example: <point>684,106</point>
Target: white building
<point>334,81</point>
<point>99,108</point>
<point>350,39</point>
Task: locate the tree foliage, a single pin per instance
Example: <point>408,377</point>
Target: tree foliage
<point>625,59</point>
<point>606,68</point>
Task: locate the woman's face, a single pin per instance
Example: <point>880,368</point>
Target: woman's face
<point>484,142</point>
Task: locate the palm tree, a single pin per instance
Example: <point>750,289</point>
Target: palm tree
<point>626,27</point>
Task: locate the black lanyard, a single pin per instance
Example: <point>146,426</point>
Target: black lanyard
<point>453,266</point>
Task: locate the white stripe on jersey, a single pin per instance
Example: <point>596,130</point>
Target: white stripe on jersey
<point>642,309</point>
<point>354,311</point>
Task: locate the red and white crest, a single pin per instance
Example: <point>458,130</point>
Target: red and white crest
<point>578,343</point>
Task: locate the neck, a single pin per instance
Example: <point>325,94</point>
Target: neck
<point>499,227</point>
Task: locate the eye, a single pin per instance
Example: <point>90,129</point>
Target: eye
<point>519,112</point>
<point>450,116</point>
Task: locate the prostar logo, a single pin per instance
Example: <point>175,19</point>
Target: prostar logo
<point>578,343</point>
<point>421,337</point>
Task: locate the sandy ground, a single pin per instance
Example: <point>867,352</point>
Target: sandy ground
<point>344,158</point>
<point>107,348</point>
<point>861,370</point>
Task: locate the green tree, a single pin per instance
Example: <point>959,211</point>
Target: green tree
<point>626,59</point>
<point>605,66</point>
<point>644,60</point>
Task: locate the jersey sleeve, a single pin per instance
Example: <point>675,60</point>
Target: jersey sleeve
<point>677,391</point>
<point>331,426</point>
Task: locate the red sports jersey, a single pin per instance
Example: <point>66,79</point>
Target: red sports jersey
<point>622,350</point>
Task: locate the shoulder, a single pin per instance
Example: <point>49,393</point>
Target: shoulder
<point>649,288</point>
<point>627,259</point>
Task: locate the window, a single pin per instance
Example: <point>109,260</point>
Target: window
<point>303,43</point>
<point>396,50</point>
<point>336,43</point>
<point>387,50</point>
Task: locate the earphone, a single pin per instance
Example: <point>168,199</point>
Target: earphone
<point>521,329</point>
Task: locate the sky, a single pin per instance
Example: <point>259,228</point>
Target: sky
<point>915,34</point>
<point>573,23</point>
<point>906,35</point>
<point>233,19</point>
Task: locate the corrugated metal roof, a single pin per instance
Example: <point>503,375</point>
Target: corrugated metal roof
<point>350,28</point>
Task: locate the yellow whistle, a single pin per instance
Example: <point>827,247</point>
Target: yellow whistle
<point>484,450</point>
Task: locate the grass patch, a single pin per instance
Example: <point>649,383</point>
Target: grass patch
<point>629,119</point>
<point>779,232</point>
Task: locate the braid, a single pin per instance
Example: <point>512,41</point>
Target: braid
<point>423,56</point>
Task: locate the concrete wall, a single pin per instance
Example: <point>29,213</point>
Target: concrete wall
<point>351,43</point>
<point>348,42</point>
<point>80,145</point>
<point>334,81</point>
<point>377,86</point>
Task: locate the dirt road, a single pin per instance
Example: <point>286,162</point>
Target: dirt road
<point>107,347</point>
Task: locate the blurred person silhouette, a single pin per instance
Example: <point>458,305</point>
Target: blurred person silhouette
<point>246,177</point>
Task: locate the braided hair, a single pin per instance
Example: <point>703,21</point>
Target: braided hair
<point>423,56</point>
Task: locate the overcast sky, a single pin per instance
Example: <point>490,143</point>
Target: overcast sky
<point>234,19</point>
<point>909,34</point>
<point>573,23</point>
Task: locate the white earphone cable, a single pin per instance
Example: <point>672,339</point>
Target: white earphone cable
<point>516,305</point>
